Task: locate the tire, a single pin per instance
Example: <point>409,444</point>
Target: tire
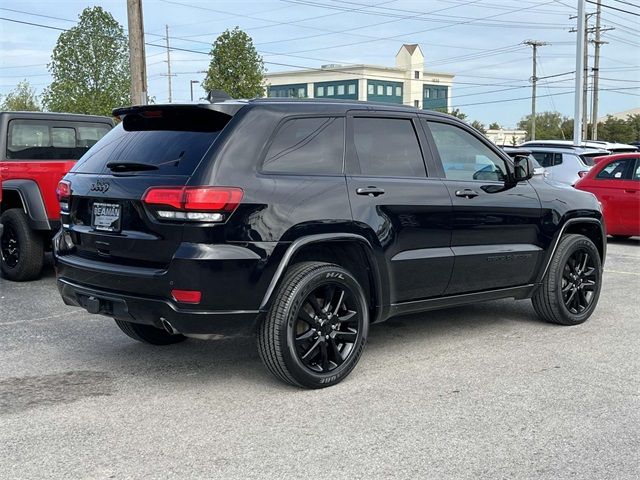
<point>149,334</point>
<point>22,249</point>
<point>570,290</point>
<point>305,345</point>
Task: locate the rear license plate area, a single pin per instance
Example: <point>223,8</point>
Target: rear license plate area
<point>106,217</point>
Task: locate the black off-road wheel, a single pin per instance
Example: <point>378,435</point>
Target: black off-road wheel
<point>316,329</point>
<point>570,290</point>
<point>149,334</point>
<point>22,249</point>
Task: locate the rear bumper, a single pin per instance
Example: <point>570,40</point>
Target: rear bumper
<point>154,311</point>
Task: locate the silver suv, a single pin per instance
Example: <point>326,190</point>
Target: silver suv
<point>565,164</point>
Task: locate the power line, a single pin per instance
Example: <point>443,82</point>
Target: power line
<point>627,3</point>
<point>615,8</point>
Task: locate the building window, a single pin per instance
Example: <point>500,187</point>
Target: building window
<point>416,74</point>
<point>320,92</point>
<point>370,89</point>
<point>330,90</point>
<point>398,91</point>
<point>442,94</point>
<point>416,103</point>
<point>340,89</point>
<point>427,93</point>
<point>352,89</point>
<point>389,90</point>
<point>380,90</point>
<point>301,92</point>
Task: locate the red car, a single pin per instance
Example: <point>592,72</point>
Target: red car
<point>615,180</point>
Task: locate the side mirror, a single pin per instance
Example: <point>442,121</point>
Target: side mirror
<point>523,168</point>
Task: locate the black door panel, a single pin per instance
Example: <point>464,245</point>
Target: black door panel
<point>495,234</point>
<point>409,213</point>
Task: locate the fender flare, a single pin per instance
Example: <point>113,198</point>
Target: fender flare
<point>323,238</point>
<point>562,231</point>
<point>32,202</point>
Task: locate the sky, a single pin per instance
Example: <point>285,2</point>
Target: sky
<point>480,41</point>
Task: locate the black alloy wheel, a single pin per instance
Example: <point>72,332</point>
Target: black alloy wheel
<point>316,328</point>
<point>10,247</point>
<point>571,287</point>
<point>326,328</point>
<point>22,249</point>
<point>579,281</point>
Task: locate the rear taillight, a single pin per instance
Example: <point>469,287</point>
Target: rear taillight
<point>583,173</point>
<point>186,296</point>
<point>196,204</point>
<point>63,192</point>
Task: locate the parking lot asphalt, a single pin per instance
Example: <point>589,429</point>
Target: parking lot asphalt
<point>484,391</point>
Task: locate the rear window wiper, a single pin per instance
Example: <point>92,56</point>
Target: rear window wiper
<point>130,166</point>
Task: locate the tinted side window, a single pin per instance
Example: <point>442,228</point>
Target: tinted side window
<point>52,140</point>
<point>547,159</point>
<point>308,146</point>
<point>387,147</point>
<point>617,170</point>
<point>465,157</point>
<point>636,173</point>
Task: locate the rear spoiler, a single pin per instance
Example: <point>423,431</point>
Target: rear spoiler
<point>229,108</point>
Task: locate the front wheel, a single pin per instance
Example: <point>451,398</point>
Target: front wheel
<point>570,290</point>
<point>316,329</point>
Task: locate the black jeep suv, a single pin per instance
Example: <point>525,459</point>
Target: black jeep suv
<point>305,221</point>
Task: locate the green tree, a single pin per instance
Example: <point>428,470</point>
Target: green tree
<point>494,126</point>
<point>235,66</point>
<point>549,126</point>
<point>634,124</point>
<point>90,66</point>
<point>23,98</point>
<point>479,126</point>
<point>616,130</point>
<point>455,112</point>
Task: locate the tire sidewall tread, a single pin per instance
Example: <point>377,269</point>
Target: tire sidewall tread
<point>547,300</point>
<point>277,354</point>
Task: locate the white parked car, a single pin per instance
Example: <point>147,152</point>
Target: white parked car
<point>565,165</point>
<point>612,147</point>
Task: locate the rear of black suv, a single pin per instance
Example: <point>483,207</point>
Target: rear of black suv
<point>144,237</point>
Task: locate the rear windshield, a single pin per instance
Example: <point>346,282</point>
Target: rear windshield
<point>587,158</point>
<point>172,142</point>
<point>52,139</point>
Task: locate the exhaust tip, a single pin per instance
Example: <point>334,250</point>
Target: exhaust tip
<point>168,327</point>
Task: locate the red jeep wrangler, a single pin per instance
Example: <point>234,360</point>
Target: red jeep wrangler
<point>36,150</point>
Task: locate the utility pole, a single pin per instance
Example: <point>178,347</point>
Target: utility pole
<point>596,70</point>
<point>585,83</point>
<point>577,111</point>
<point>137,61</point>
<point>534,79</point>
<point>168,60</point>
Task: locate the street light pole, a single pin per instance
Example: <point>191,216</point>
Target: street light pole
<point>191,82</point>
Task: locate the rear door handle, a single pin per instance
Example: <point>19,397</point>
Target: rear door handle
<point>371,191</point>
<point>631,191</point>
<point>467,193</point>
